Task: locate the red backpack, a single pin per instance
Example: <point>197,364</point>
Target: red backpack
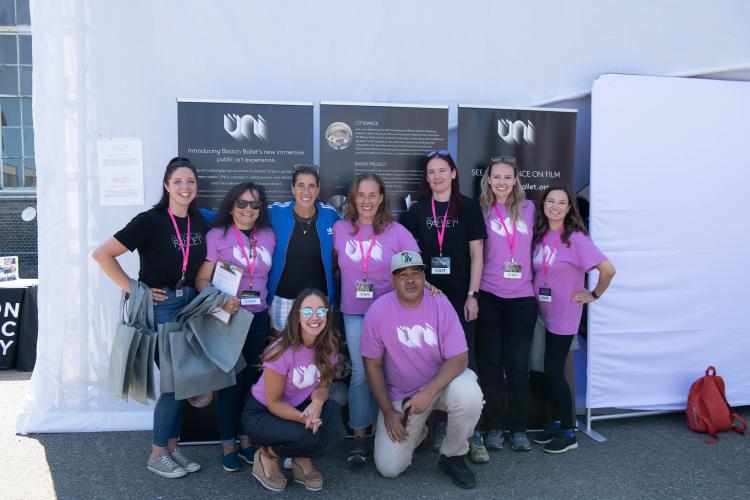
<point>707,407</point>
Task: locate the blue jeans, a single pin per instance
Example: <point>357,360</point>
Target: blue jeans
<point>362,408</point>
<point>231,400</point>
<point>168,411</point>
<point>290,439</point>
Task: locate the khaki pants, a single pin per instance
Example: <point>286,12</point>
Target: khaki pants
<point>461,400</point>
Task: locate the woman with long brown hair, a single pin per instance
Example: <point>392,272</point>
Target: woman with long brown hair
<point>563,254</point>
<point>288,413</point>
<point>363,244</point>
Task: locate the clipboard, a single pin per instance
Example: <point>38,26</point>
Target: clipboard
<point>226,278</point>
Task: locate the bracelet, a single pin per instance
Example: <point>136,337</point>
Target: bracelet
<point>316,401</point>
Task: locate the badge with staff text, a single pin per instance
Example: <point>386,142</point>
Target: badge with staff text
<point>545,295</point>
<point>512,270</point>
<point>250,298</point>
<point>441,265</point>
<point>365,290</point>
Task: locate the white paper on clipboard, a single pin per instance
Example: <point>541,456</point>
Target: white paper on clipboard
<point>226,278</point>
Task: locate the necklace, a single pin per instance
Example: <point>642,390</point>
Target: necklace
<point>304,224</point>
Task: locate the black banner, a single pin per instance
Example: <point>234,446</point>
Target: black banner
<point>233,142</point>
<point>542,140</point>
<point>10,313</point>
<point>388,140</point>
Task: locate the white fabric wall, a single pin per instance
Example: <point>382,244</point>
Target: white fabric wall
<point>669,188</point>
<point>115,68</point>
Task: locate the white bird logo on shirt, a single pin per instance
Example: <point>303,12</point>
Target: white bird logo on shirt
<point>352,250</point>
<point>412,336</point>
<point>545,251</point>
<point>497,226</point>
<point>261,252</point>
<point>305,376</point>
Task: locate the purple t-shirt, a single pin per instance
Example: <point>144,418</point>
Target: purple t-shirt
<point>413,341</point>
<point>497,253</point>
<point>225,246</point>
<point>302,376</point>
<point>394,239</point>
<point>567,267</point>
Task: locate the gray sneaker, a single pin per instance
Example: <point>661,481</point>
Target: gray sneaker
<point>165,466</point>
<point>494,440</point>
<point>519,441</point>
<point>184,461</point>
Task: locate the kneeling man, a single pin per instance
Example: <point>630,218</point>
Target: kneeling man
<point>416,361</point>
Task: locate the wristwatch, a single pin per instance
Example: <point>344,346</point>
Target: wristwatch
<point>593,294</point>
<point>473,293</point>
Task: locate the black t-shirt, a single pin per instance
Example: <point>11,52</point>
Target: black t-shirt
<point>153,235</point>
<point>303,267</point>
<point>458,234</point>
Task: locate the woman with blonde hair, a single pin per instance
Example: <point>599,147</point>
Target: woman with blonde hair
<point>507,305</point>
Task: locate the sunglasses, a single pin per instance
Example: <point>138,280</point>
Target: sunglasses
<point>242,204</point>
<point>503,159</point>
<point>305,166</point>
<point>441,152</point>
<point>307,312</point>
<point>406,411</point>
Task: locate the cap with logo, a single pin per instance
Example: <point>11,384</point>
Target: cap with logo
<point>404,259</point>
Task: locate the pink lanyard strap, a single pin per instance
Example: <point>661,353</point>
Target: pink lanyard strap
<point>184,247</point>
<point>511,240</point>
<point>250,267</point>
<point>365,258</point>
<point>440,232</point>
<point>547,259</point>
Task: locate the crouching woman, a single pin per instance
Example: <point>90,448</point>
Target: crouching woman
<point>288,413</point>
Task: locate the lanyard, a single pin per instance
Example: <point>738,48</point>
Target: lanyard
<point>250,267</point>
<point>184,247</point>
<point>440,232</point>
<point>511,240</point>
<point>547,259</point>
<point>365,258</point>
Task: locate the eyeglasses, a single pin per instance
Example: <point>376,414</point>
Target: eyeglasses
<point>511,160</point>
<point>307,312</point>
<point>242,204</point>
<point>441,152</point>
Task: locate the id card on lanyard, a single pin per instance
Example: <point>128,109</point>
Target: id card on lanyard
<point>440,265</point>
<point>511,270</point>
<point>184,249</point>
<point>545,292</point>
<point>365,289</point>
<point>248,297</point>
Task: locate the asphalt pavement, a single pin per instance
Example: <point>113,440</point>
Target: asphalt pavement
<point>647,457</point>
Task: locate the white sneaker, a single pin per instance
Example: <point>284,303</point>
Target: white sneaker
<point>165,466</point>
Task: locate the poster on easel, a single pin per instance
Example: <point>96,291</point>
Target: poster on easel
<point>542,141</point>
<point>389,140</point>
<point>244,141</point>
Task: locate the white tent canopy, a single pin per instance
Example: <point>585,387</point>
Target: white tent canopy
<point>115,69</point>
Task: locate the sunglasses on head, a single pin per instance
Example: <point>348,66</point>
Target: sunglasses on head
<point>254,204</point>
<point>441,152</point>
<point>503,159</point>
<point>305,166</point>
<point>307,312</point>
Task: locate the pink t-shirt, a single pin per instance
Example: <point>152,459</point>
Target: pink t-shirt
<point>225,246</point>
<point>396,238</point>
<point>302,376</point>
<point>497,253</point>
<point>413,341</point>
<point>567,267</point>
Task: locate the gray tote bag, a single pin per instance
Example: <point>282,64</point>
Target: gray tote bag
<point>125,344</point>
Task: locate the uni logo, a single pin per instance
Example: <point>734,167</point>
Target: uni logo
<point>515,131</point>
<point>241,127</point>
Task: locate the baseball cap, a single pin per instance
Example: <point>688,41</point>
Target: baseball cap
<point>404,259</point>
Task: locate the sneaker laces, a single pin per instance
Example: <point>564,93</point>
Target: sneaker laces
<point>179,457</point>
<point>166,460</point>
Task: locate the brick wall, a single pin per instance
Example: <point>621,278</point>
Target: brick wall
<point>18,237</point>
